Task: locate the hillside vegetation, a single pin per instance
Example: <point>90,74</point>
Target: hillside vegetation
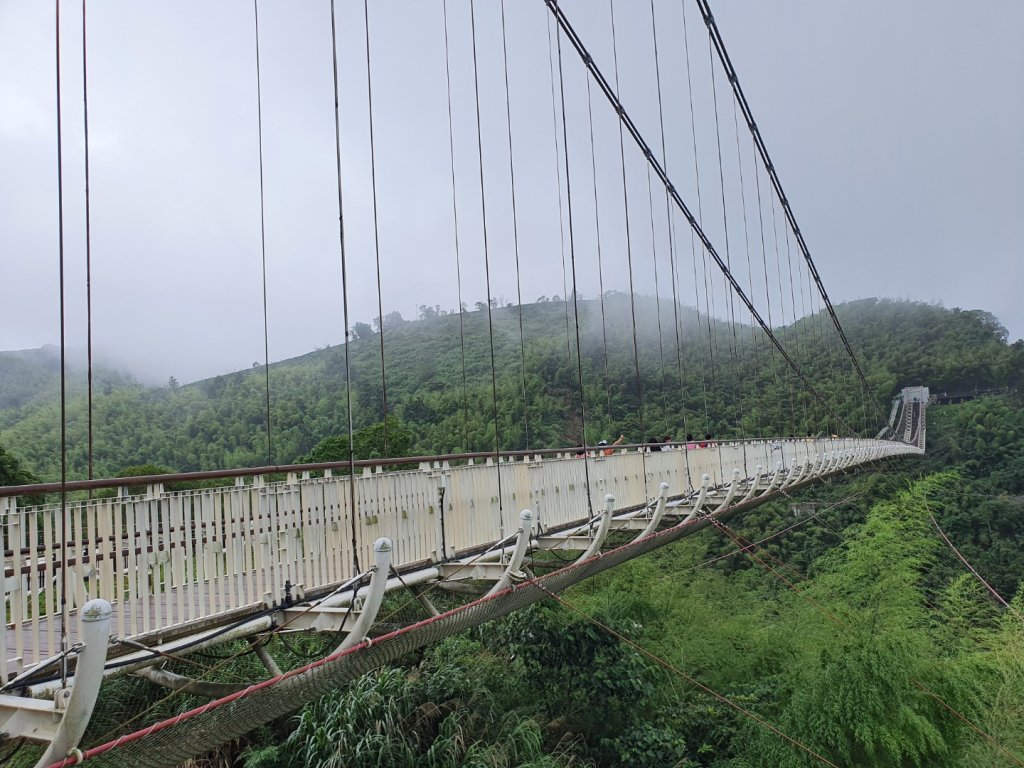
<point>729,384</point>
<point>850,633</point>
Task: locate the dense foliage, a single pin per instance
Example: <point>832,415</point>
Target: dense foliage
<point>439,386</point>
<point>857,635</point>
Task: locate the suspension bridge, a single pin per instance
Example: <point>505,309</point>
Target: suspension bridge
<point>98,588</point>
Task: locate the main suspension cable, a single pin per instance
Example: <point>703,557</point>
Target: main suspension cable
<point>762,149</point>
<point>628,123</point>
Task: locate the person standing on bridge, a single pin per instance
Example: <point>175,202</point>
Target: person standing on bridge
<point>608,450</point>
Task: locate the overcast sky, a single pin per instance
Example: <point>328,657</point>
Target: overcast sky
<point>895,128</point>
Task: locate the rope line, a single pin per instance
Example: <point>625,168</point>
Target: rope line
<point>575,292</point>
<point>670,228</point>
<point>88,245</point>
<point>733,352</point>
<point>558,181</point>
<point>676,670</point>
<point>263,226</point>
<point>629,246</point>
<point>693,243</point>
<point>974,571</point>
<point>487,268</point>
<point>376,227</point>
<point>455,216</point>
<point>65,518</point>
<point>344,294</point>
<point>762,149</point>
<point>600,265</point>
<point>515,224</point>
<point>630,126</point>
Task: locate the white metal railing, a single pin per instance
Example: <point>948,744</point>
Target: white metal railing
<point>172,559</point>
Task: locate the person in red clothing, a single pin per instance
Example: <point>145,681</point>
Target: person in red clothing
<point>608,450</point>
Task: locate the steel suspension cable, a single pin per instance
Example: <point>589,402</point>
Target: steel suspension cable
<point>700,219</point>
<point>344,298</point>
<point>515,223</point>
<point>376,227</point>
<point>629,247</point>
<point>88,244</point>
<point>767,288</point>
<point>263,226</point>
<point>600,265</point>
<point>792,315</point>
<point>558,181</point>
<point>455,216</point>
<point>575,292</point>
<point>806,320</point>
<point>65,518</point>
<point>748,115</point>
<point>750,276</point>
<point>630,126</point>
<point>737,388</point>
<point>676,670</point>
<point>670,227</point>
<point>487,266</point>
<point>657,296</point>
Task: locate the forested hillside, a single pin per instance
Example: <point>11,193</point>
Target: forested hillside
<point>848,634</point>
<point>437,373</point>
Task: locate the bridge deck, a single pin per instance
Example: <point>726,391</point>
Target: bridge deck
<point>172,562</point>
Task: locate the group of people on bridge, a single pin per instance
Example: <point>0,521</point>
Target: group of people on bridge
<point>666,443</point>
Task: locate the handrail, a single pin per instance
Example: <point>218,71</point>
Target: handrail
<point>271,469</point>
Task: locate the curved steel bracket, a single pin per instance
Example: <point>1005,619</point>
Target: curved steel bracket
<point>659,512</point>
<point>374,595</point>
<point>777,475</point>
<point>95,629</point>
<point>602,529</point>
<point>734,488</point>
<point>705,482</point>
<point>754,484</point>
<point>518,553</point>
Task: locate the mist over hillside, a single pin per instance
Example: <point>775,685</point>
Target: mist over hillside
<point>677,372</point>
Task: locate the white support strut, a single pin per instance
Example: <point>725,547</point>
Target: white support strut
<point>659,512</point>
<point>374,596</point>
<point>95,629</point>
<point>515,562</point>
<point>734,488</point>
<point>755,482</point>
<point>602,529</point>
